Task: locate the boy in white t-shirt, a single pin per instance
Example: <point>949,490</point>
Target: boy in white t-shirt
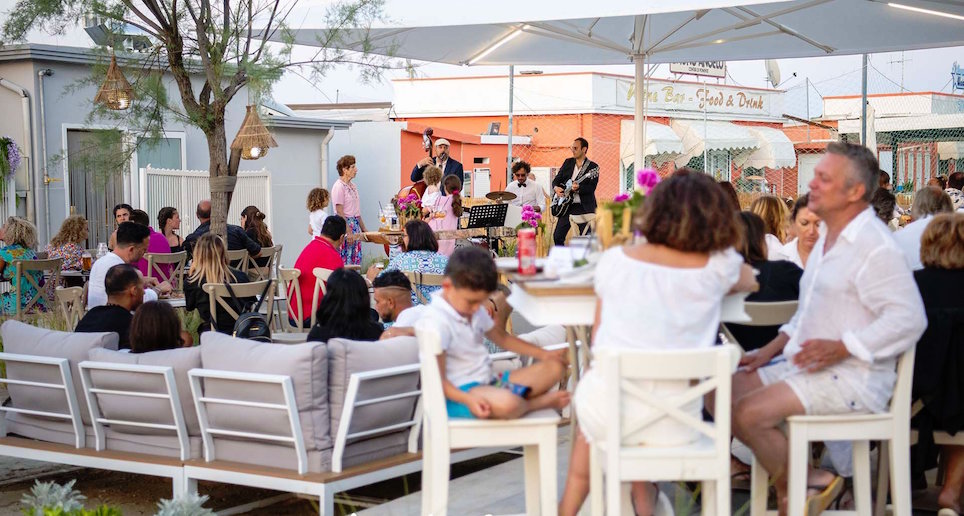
<point>470,388</point>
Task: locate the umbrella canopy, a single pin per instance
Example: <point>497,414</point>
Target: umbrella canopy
<point>504,32</point>
<point>683,30</point>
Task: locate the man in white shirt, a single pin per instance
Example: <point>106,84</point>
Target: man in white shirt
<point>526,193</point>
<point>928,202</point>
<point>859,311</point>
<point>132,240</point>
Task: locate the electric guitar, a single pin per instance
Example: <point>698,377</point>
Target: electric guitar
<point>561,203</point>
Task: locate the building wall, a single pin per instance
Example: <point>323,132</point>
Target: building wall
<point>377,147</point>
<point>295,165</point>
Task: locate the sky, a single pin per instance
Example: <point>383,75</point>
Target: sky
<point>921,70</point>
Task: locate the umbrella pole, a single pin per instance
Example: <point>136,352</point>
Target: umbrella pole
<point>863,104</point>
<point>639,115</point>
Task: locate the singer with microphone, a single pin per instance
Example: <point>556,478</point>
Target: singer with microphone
<point>526,193</point>
<point>442,160</point>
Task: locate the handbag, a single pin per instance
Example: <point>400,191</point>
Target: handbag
<point>251,323</point>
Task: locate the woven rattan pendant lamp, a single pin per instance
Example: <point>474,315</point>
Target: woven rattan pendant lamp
<point>116,93</point>
<point>253,139</point>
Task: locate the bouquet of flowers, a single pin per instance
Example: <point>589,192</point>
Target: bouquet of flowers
<point>531,219</point>
<point>408,208</point>
<point>9,161</point>
<point>614,217</point>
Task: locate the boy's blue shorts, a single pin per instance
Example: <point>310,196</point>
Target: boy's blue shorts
<point>456,409</point>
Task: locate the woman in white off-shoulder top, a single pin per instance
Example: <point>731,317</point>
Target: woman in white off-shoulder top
<point>662,294</point>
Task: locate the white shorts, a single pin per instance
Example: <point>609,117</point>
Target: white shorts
<point>590,405</point>
<point>820,393</point>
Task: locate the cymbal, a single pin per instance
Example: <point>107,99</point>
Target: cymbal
<point>500,196</point>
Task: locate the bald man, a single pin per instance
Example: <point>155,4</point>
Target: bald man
<point>237,238</point>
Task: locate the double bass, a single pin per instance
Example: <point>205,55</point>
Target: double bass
<point>419,186</point>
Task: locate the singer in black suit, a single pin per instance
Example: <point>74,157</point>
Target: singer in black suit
<point>584,200</point>
<point>449,166</point>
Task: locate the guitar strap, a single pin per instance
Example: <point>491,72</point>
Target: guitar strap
<point>582,171</point>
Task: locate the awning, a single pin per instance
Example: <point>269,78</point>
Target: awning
<point>906,123</point>
<point>950,150</point>
<point>661,143</point>
<point>775,149</point>
<point>700,135</point>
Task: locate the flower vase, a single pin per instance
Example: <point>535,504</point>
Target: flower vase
<point>604,226</point>
<point>542,242</point>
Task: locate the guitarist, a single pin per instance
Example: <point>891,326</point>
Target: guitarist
<point>584,175</point>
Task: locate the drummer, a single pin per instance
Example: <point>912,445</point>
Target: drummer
<point>526,193</point>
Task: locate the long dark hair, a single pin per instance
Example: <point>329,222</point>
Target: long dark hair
<point>155,327</point>
<point>753,245</point>
<point>452,183</point>
<point>165,214</point>
<point>254,222</point>
<point>345,310</point>
<point>420,236</point>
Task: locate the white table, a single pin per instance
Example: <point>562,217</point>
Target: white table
<point>573,306</point>
<point>176,302</point>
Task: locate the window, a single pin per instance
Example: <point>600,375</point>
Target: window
<point>162,153</point>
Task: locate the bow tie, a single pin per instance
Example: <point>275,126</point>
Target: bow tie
<point>522,185</point>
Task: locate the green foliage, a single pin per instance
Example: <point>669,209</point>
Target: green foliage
<point>50,498</point>
<point>189,505</point>
<point>203,55</point>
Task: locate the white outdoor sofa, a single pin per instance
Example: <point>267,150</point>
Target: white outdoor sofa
<point>313,418</point>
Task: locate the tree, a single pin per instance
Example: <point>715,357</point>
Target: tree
<point>227,44</point>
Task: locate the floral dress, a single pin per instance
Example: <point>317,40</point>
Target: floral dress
<point>8,300</point>
<point>425,262</point>
<point>71,253</point>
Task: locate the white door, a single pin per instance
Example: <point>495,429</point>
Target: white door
<point>805,165</point>
<point>480,182</point>
<point>886,159</point>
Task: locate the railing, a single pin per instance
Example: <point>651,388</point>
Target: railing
<point>183,189</point>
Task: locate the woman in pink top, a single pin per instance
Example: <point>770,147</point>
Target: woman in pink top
<point>344,195</point>
<point>445,212</point>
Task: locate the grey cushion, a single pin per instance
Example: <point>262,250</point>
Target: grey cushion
<point>25,339</point>
<point>306,364</point>
<point>346,357</point>
<point>145,409</point>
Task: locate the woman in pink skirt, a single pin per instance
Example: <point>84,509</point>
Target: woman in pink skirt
<point>445,212</point>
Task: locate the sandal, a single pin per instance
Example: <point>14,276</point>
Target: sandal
<point>947,511</point>
<point>827,494</point>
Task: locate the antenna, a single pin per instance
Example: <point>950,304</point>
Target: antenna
<point>773,72</point>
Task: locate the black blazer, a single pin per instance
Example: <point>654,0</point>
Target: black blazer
<point>237,239</point>
<point>587,188</point>
<point>452,168</point>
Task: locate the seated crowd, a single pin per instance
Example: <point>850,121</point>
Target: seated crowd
<point>866,295</point>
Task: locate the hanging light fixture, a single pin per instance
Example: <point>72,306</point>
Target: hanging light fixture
<point>116,93</point>
<point>253,139</point>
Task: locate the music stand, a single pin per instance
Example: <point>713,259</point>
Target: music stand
<point>487,216</point>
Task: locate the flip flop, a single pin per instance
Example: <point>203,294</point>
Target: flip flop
<point>946,511</point>
<point>819,502</point>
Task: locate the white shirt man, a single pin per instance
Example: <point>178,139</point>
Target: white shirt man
<point>859,311</point>
<point>526,193</point>
<point>131,245</point>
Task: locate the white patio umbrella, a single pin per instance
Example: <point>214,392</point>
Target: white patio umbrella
<point>542,32</point>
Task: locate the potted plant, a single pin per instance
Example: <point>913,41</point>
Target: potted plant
<point>9,161</point>
<point>533,219</point>
<point>614,218</point>
<point>408,208</point>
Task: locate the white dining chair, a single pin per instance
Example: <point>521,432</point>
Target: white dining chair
<point>537,433</point>
<point>614,463</point>
<point>891,427</point>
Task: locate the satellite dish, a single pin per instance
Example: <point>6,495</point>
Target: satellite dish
<point>773,72</point>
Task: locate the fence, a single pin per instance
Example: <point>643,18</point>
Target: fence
<point>184,189</point>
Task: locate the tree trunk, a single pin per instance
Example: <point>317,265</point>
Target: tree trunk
<point>223,174</point>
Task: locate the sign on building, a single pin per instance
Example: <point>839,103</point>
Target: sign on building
<point>708,68</point>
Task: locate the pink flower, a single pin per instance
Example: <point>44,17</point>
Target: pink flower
<point>623,197</point>
<point>647,179</point>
